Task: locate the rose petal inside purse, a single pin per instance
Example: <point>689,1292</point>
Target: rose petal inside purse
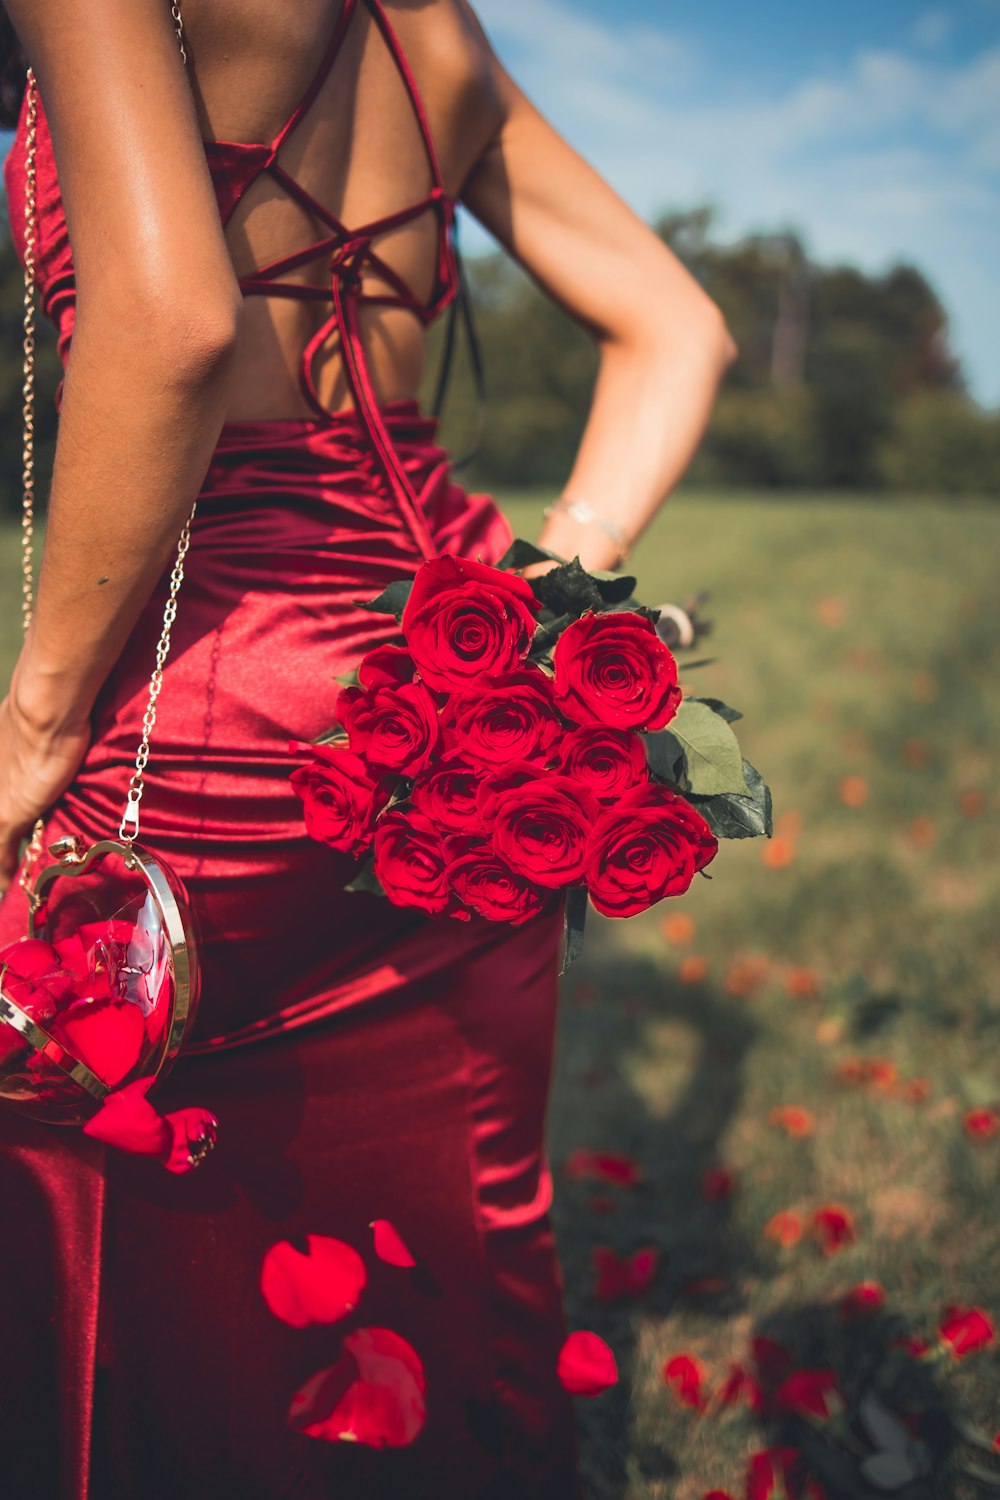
<point>88,1002</point>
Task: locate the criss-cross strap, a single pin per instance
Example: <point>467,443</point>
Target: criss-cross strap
<point>350,254</point>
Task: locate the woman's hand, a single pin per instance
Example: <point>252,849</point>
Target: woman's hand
<point>35,768</point>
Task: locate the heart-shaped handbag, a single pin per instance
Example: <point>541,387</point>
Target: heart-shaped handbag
<point>99,995</point>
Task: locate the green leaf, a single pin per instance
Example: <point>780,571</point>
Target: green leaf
<point>739,817</point>
<point>366,880</point>
<point>615,588</point>
<point>970,1433</point>
<point>665,757</point>
<point>981,1475</point>
<point>731,715</point>
<point>692,666</point>
<point>888,1471</point>
<point>348,679</point>
<point>711,751</point>
<point>545,636</point>
<point>391,601</point>
<point>575,916</point>
<point>334,736</point>
<point>521,553</point>
<point>568,589</point>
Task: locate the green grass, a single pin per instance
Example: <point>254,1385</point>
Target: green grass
<point>845,630</point>
<point>897,920</point>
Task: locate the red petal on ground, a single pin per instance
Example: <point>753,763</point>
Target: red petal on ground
<point>792,1119</point>
<point>982,1123</point>
<point>811,1393</point>
<point>586,1365</point>
<point>964,1330</point>
<point>127,1120</point>
<point>603,1166</point>
<point>772,1359</point>
<point>862,1300</point>
<point>685,1376</point>
<point>320,1286</point>
<point>740,1386</point>
<point>717,1184</point>
<point>374,1394</point>
<point>619,1276</point>
<point>833,1225</point>
<point>389,1244</point>
<point>778,1474</point>
<point>785,1228</point>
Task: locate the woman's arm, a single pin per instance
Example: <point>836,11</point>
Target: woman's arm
<point>146,381</point>
<point>664,346</point>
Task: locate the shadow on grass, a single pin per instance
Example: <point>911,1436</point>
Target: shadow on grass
<point>653,1069</point>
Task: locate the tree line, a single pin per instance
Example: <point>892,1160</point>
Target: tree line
<point>845,380</point>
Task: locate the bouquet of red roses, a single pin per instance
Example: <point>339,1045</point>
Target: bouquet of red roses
<point>529,738</point>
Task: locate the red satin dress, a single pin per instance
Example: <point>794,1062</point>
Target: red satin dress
<point>365,1062</point>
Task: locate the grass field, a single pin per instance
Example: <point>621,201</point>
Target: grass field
<point>846,972</point>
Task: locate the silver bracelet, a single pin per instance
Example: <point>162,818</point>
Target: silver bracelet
<point>587,516</point>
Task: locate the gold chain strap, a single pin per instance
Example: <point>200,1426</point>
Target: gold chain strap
<point>129,828</point>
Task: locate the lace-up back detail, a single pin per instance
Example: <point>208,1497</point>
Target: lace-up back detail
<point>356,272</point>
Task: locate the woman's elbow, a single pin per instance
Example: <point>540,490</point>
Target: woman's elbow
<point>196,339</point>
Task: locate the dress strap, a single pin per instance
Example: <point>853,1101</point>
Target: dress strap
<point>327,61</point>
<point>406,73</point>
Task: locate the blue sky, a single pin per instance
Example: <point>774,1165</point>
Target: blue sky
<point>871,126</point>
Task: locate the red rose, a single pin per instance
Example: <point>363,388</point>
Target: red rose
<point>542,826</point>
<point>392,728</point>
<point>487,884</point>
<point>449,796</point>
<point>409,860</point>
<point>613,670</point>
<point>339,798</point>
<point>386,666</point>
<point>513,718</point>
<point>608,761</point>
<point>465,621</point>
<point>651,844</point>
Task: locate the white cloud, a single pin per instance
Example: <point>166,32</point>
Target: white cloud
<point>932,29</point>
<point>894,156</point>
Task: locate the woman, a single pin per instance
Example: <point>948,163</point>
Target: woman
<point>365,1062</point>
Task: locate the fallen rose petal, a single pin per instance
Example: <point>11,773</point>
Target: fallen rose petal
<point>320,1286</point>
<point>685,1376</point>
<point>785,1228</point>
<point>981,1124</point>
<point>389,1244</point>
<point>603,1166</point>
<point>778,1474</point>
<point>771,1358</point>
<point>618,1276</point>
<point>863,1300</point>
<point>792,1119</point>
<point>193,1134</point>
<point>811,1393</point>
<point>586,1365</point>
<point>834,1228</point>
<point>740,1386</point>
<point>126,1119</point>
<point>717,1184</point>
<point>964,1330</point>
<point>374,1394</point>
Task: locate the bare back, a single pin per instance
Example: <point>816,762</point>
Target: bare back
<point>358,150</point>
